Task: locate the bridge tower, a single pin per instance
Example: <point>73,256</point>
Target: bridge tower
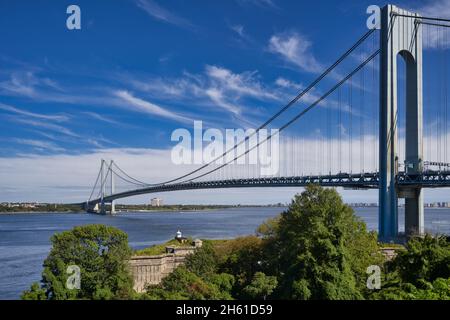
<point>102,186</point>
<point>400,35</point>
<point>113,202</point>
<point>105,173</point>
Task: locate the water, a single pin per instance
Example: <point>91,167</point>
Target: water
<point>24,238</point>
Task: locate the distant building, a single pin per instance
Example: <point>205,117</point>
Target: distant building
<point>156,202</point>
<point>437,205</point>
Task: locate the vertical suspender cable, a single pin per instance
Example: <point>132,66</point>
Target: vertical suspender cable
<point>446,94</point>
<point>322,129</point>
<point>294,156</point>
<point>361,148</point>
<point>374,112</point>
<point>350,136</point>
<point>428,105</point>
<point>437,111</point>
<point>440,92</point>
<point>340,130</point>
<point>329,140</point>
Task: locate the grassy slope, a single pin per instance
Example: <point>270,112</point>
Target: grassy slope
<point>161,248</point>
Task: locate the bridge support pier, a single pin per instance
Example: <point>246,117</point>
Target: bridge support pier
<point>104,208</point>
<point>402,36</point>
<point>414,217</point>
<point>113,207</point>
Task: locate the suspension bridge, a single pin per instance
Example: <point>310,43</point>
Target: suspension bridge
<point>359,125</point>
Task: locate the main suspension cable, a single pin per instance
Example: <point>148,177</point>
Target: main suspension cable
<point>282,110</point>
<point>298,116</point>
<point>95,184</point>
<point>134,179</point>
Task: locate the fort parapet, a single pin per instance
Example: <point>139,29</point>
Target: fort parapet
<point>147,270</point>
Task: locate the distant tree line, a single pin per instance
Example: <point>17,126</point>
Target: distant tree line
<point>55,207</point>
<point>42,207</point>
<point>184,207</point>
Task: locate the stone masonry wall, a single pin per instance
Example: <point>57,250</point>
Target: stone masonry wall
<point>152,269</point>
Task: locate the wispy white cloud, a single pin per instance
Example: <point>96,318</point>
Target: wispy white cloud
<point>435,8</point>
<point>41,89</point>
<point>243,83</point>
<point>434,37</point>
<point>295,49</point>
<point>148,107</point>
<point>218,98</point>
<point>239,29</point>
<point>59,118</point>
<point>217,86</point>
<point>49,127</point>
<point>100,117</point>
<point>167,88</point>
<point>27,83</point>
<point>241,37</point>
<point>288,84</point>
<point>18,85</point>
<point>40,144</point>
<point>89,141</point>
<point>31,85</point>
<point>165,58</point>
<point>95,143</point>
<point>260,3</point>
<point>46,125</point>
<point>157,12</point>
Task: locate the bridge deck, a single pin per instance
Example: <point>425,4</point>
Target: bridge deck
<point>428,179</point>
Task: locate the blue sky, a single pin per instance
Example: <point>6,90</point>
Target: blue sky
<point>138,69</point>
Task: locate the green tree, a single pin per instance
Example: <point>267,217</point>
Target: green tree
<point>182,284</point>
<point>203,262</point>
<point>420,272</point>
<point>241,257</point>
<point>35,293</point>
<point>320,249</point>
<point>425,258</point>
<point>439,289</point>
<point>224,282</point>
<point>261,286</point>
<point>101,253</point>
<point>269,228</point>
<point>197,279</point>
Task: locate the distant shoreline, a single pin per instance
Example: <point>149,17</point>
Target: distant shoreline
<point>61,209</point>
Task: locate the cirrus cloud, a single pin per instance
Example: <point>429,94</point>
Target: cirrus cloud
<point>295,49</point>
<point>148,107</point>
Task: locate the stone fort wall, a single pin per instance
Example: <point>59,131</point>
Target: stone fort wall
<point>152,269</point>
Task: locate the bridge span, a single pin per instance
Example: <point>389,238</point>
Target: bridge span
<point>382,101</point>
<point>428,179</point>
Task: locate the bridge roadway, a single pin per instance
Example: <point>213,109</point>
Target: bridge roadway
<point>428,179</point>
